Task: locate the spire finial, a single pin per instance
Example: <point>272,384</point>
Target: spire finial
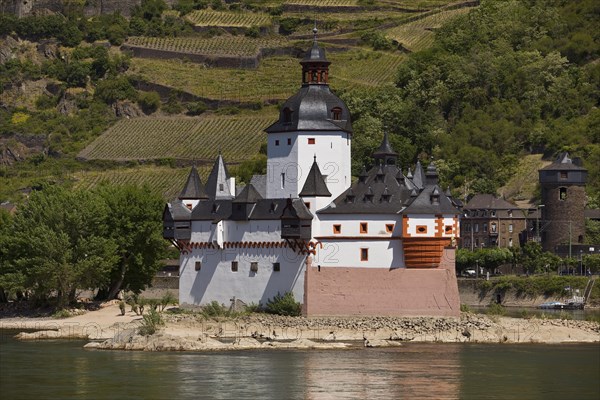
<point>315,158</point>
<point>315,30</point>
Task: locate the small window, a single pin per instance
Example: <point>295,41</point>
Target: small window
<point>493,228</point>
<point>336,113</point>
<point>510,228</point>
<point>221,187</point>
<point>337,229</point>
<point>448,229</point>
<point>510,242</point>
<point>277,143</point>
<point>289,141</point>
<point>364,227</point>
<point>389,228</point>
<point>485,227</point>
<point>364,254</point>
<point>510,213</point>
<point>234,266</point>
<point>564,175</point>
<point>421,229</point>
<point>493,213</point>
<point>467,227</point>
<point>476,228</point>
<point>276,267</point>
<point>562,193</point>
<point>254,266</point>
<point>311,140</point>
<point>283,180</point>
<point>189,206</point>
<point>198,265</point>
<point>307,204</point>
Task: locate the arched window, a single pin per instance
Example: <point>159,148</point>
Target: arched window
<point>287,116</point>
<point>336,113</point>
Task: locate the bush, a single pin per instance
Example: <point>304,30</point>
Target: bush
<point>495,309</point>
<point>150,323</point>
<point>465,308</point>
<point>214,309</point>
<point>167,299</point>
<point>149,101</point>
<point>196,108</point>
<point>284,305</point>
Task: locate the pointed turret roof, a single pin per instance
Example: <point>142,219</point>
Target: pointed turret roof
<point>419,176</point>
<point>315,185</point>
<point>385,151</point>
<point>218,176</point>
<point>193,189</point>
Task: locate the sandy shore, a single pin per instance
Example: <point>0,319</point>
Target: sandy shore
<point>108,329</point>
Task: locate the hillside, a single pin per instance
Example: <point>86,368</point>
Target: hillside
<point>175,83</point>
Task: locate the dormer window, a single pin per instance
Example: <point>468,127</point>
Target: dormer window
<point>287,116</point>
<point>336,113</point>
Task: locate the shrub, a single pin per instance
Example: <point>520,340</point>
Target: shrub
<point>465,308</point>
<point>254,308</point>
<point>284,305</point>
<point>122,307</point>
<point>196,108</point>
<point>150,323</point>
<point>149,101</point>
<point>495,309</point>
<point>167,299</point>
<point>214,309</point>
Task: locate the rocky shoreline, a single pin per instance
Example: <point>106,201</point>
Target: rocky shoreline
<point>193,332</point>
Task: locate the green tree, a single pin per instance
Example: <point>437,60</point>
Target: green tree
<point>134,225</point>
<point>59,245</point>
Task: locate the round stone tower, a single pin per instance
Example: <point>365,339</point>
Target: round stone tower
<point>563,202</point>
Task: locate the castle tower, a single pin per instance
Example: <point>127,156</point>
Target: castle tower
<point>563,200</point>
<point>313,122</point>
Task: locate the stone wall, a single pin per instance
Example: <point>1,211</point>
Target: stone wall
<point>340,291</point>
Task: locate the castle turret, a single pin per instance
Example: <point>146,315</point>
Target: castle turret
<point>563,199</point>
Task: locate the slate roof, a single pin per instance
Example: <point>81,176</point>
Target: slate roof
<point>385,190</point>
<point>193,189</point>
<point>315,54</point>
<point>310,110</point>
<point>489,202</point>
<point>426,203</point>
<point>248,195</point>
<point>564,163</point>
<point>218,176</point>
<point>260,184</point>
<point>385,149</point>
<point>315,185</point>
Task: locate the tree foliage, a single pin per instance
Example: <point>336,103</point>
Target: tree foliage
<point>63,241</point>
<point>510,77</point>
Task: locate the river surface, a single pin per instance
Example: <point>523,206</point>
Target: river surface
<point>64,370</point>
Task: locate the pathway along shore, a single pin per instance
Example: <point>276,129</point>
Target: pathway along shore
<point>106,328</point>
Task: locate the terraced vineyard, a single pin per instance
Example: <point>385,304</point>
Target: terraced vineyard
<point>199,139</point>
<point>166,181</point>
<point>225,45</point>
<point>363,68</point>
<point>419,34</point>
<point>228,19</point>
<point>275,78</point>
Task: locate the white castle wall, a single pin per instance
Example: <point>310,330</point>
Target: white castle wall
<point>215,281</point>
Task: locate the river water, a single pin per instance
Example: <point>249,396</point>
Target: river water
<point>64,370</point>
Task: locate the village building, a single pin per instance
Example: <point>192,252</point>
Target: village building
<point>489,221</point>
<point>382,245</point>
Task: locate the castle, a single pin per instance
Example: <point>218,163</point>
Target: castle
<point>383,245</point>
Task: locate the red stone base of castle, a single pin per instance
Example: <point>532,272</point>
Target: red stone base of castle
<point>339,291</point>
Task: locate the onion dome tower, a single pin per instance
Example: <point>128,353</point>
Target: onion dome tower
<point>314,121</point>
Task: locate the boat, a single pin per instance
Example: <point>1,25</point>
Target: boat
<point>552,305</point>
